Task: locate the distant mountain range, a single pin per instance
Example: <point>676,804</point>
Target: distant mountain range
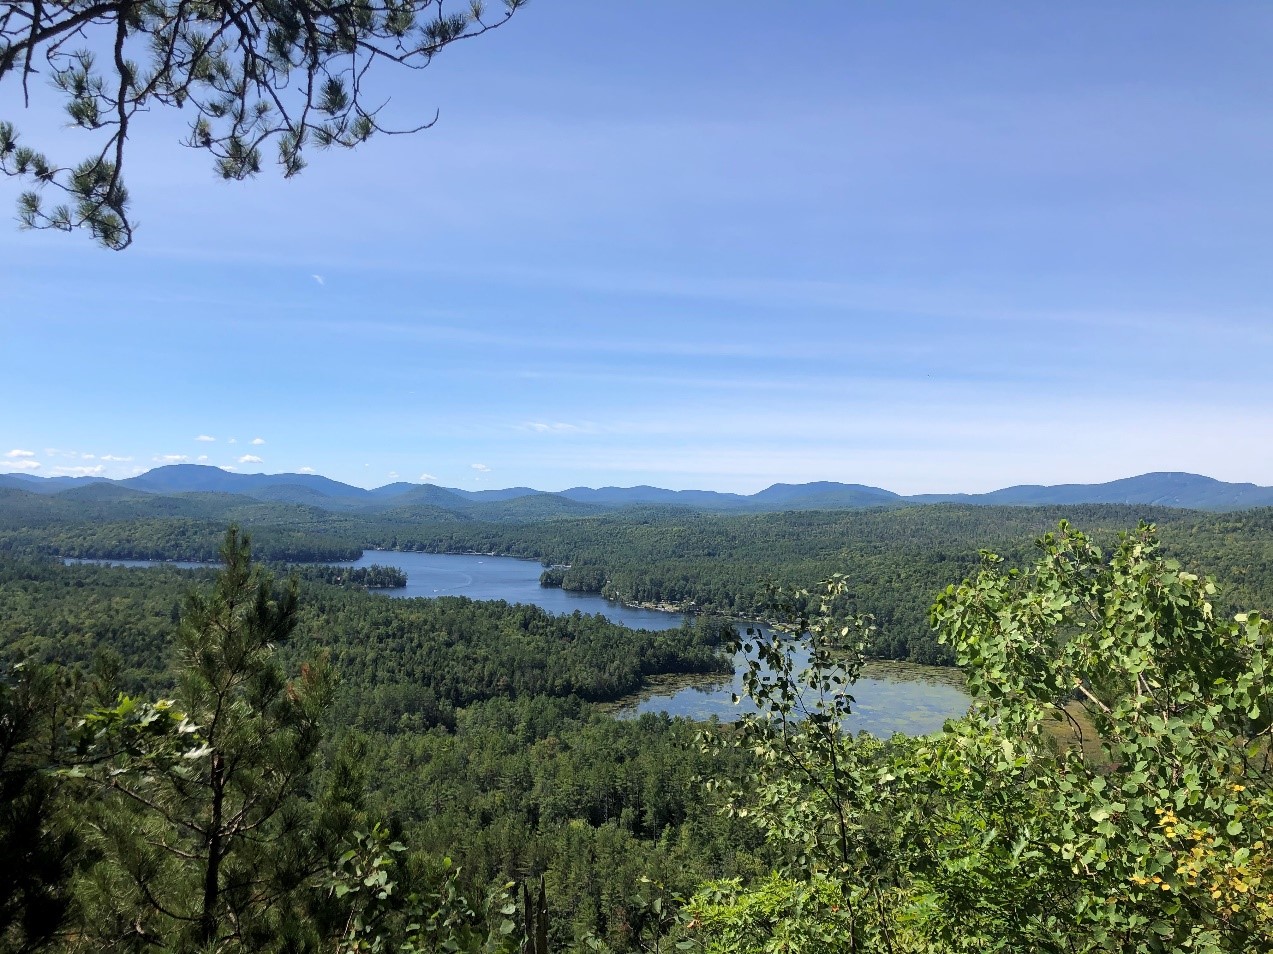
<point>1189,491</point>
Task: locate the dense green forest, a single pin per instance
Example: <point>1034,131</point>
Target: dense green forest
<point>447,756</point>
<point>374,577</point>
<point>473,724</point>
<point>895,558</point>
<point>414,660</point>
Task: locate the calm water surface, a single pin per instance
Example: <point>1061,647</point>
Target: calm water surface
<point>477,576</point>
<point>890,697</point>
<point>481,577</point>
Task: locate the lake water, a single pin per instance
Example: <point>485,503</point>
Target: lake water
<point>890,697</point>
<point>477,576</point>
<point>481,577</point>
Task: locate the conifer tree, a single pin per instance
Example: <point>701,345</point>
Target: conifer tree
<point>289,73</point>
<point>39,849</point>
<point>210,834</point>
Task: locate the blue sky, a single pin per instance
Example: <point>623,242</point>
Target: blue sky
<point>930,247</point>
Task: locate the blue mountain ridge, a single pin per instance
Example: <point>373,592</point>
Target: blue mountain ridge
<point>1169,489</point>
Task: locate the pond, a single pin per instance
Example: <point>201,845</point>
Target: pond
<point>888,697</point>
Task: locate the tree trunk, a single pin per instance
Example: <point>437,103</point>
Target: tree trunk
<point>212,874</point>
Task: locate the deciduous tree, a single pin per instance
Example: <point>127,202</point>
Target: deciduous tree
<point>1110,789</point>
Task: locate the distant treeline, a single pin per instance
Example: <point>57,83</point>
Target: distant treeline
<point>897,560</point>
<point>474,720</point>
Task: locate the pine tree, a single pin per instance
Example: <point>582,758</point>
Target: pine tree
<point>38,843</point>
<point>211,836</point>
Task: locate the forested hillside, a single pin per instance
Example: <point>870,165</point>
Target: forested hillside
<point>471,722</point>
<point>895,559</point>
<point>1164,489</point>
<point>430,774</point>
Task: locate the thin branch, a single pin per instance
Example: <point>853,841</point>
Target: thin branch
<point>71,24</point>
<point>238,76</point>
<point>1093,699</point>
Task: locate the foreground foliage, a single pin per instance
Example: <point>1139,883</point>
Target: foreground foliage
<point>214,820</point>
<point>199,814</point>
<point>1109,790</point>
<point>219,805</point>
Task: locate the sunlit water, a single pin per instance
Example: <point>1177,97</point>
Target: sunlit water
<point>889,698</point>
<point>481,577</point>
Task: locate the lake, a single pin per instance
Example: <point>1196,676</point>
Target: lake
<point>481,577</point>
<point>890,697</point>
<point>475,575</point>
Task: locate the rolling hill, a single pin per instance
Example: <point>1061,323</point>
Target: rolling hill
<point>414,501</point>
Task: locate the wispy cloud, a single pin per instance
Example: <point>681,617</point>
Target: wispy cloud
<point>558,427</point>
<point>205,438</point>
<point>427,477</point>
<point>318,279</point>
<point>171,459</point>
<point>201,458</point>
<point>481,468</point>
<point>250,459</point>
<point>19,453</point>
<point>393,475</point>
<point>79,471</point>
<point>115,459</point>
<point>258,441</point>
<point>307,470</point>
<point>23,464</point>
